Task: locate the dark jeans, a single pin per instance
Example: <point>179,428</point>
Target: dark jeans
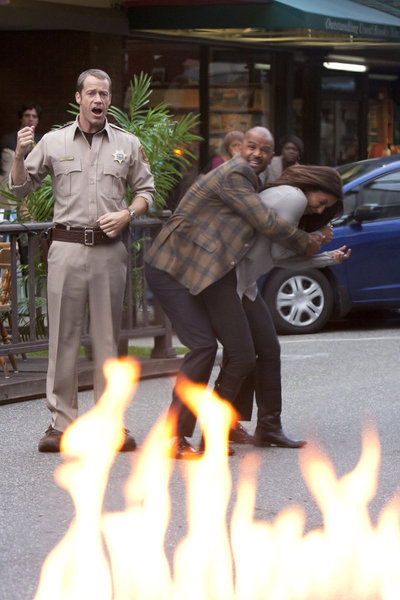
<point>192,326</point>
<point>247,333</point>
<point>251,352</point>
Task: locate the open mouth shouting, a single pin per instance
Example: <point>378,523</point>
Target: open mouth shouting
<point>93,100</point>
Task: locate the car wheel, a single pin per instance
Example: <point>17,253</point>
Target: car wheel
<point>299,301</point>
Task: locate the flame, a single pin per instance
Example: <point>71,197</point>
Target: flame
<point>121,556</point>
<point>77,567</point>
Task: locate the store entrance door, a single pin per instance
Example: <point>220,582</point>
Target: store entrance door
<point>339,131</point>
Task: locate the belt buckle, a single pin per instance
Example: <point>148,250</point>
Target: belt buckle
<point>88,237</point>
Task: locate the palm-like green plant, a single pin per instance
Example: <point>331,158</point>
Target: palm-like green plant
<point>37,206</point>
<point>165,140</point>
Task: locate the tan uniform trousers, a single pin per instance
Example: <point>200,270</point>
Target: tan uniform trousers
<point>81,277</point>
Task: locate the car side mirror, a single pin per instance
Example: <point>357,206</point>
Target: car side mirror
<point>367,212</point>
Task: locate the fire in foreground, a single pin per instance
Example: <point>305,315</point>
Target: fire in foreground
<point>120,556</point>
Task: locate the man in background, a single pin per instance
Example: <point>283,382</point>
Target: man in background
<point>28,115</point>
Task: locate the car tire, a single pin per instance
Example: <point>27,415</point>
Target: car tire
<point>299,301</point>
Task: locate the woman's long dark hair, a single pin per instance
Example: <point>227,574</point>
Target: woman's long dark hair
<point>311,178</point>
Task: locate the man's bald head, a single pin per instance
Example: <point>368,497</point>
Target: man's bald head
<point>261,131</point>
<point>258,148</point>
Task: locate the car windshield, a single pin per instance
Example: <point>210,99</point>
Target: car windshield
<point>353,170</point>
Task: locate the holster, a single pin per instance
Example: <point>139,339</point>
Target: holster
<point>46,237</point>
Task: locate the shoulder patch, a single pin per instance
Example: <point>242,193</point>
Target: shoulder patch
<point>143,154</point>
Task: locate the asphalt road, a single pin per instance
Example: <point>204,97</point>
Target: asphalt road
<point>334,383</point>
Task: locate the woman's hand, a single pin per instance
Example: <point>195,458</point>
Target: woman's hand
<point>340,254</point>
<point>327,233</point>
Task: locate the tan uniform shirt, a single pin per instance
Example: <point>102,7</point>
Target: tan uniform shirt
<point>88,181</point>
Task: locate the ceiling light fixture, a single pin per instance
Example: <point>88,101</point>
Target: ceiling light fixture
<point>341,66</point>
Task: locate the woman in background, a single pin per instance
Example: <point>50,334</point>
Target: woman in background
<point>231,146</point>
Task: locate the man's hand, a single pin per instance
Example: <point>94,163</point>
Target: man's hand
<point>25,139</point>
<point>314,244</point>
<point>112,223</point>
<point>327,232</point>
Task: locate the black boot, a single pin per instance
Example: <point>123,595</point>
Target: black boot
<point>276,438</point>
<point>269,432</point>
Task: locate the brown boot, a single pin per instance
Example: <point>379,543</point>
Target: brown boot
<point>50,442</point>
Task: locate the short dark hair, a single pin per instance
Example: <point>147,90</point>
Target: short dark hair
<point>29,106</point>
<point>292,139</point>
<point>98,73</point>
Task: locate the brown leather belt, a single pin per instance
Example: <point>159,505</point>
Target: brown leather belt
<point>88,236</point>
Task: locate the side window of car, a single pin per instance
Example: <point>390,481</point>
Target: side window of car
<point>349,205</point>
<point>384,194</point>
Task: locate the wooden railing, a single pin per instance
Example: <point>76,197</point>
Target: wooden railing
<point>142,317</point>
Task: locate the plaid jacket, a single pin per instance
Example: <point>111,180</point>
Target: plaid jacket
<point>214,225</point>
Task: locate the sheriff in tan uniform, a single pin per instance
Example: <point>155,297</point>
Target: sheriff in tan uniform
<point>91,164</point>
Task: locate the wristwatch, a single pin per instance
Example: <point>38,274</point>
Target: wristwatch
<point>132,215</point>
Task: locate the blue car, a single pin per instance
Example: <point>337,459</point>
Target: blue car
<point>303,301</point>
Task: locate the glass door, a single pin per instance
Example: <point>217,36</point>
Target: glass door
<point>339,132</point>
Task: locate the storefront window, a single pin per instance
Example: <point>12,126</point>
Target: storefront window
<point>239,90</point>
<point>383,116</point>
<point>175,71</point>
<point>173,67</point>
<point>340,119</point>
<point>239,94</point>
<point>339,132</point>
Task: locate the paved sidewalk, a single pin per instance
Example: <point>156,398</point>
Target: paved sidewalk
<point>332,385</point>
<point>30,381</point>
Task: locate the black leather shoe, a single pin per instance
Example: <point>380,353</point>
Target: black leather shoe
<point>182,450</point>
<point>230,452</point>
<point>129,444</point>
<point>276,438</point>
<point>50,442</point>
<point>239,435</point>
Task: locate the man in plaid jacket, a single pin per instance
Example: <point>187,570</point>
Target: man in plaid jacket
<point>191,270</point>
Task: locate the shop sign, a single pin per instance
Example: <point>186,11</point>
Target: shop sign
<point>362,29</point>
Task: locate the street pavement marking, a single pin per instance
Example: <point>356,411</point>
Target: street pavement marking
<point>358,339</point>
<point>292,357</point>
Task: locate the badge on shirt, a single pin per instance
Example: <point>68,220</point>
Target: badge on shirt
<point>120,156</point>
<point>143,155</point>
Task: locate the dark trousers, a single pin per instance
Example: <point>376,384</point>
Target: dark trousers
<point>190,321</point>
<point>251,358</point>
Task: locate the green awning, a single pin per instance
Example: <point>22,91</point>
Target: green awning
<point>356,21</point>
